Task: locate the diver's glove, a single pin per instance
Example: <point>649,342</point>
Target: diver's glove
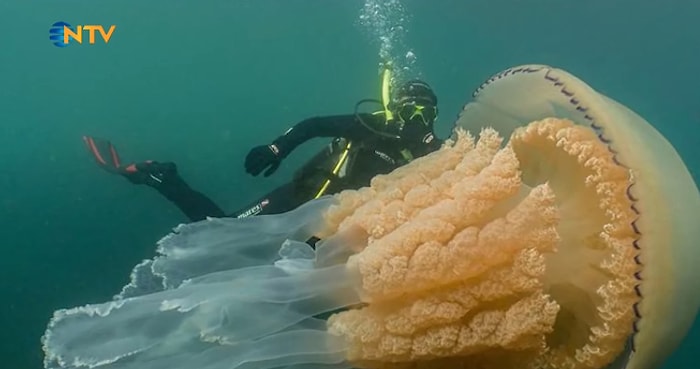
<point>261,157</point>
<point>151,173</point>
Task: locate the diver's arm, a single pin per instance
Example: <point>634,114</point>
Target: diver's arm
<point>428,144</point>
<point>346,126</point>
<point>434,144</point>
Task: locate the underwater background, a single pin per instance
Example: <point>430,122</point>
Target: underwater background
<point>200,83</point>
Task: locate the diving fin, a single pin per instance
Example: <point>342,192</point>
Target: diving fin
<point>105,154</point>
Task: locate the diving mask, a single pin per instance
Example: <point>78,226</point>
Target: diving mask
<point>408,111</point>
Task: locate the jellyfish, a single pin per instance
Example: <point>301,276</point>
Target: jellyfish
<point>553,230</point>
<point>665,197</point>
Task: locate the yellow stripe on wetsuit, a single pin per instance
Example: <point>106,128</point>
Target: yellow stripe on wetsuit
<point>336,169</point>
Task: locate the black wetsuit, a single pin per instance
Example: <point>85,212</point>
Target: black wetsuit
<point>371,155</point>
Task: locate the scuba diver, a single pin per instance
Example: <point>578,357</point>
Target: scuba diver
<point>364,145</point>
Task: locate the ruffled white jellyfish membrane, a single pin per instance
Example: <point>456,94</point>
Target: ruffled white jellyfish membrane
<point>224,293</point>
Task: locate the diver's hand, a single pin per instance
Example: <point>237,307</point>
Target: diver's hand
<point>261,157</point>
<point>151,173</point>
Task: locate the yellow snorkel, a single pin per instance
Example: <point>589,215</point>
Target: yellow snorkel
<point>386,93</point>
<point>386,102</point>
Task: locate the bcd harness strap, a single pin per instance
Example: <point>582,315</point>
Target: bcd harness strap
<point>343,163</point>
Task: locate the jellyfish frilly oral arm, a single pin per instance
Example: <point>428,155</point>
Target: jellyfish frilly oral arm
<point>428,265</point>
<point>466,265</point>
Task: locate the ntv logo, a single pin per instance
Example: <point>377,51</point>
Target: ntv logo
<point>62,34</point>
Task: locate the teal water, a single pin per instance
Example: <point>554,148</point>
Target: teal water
<point>200,83</point>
